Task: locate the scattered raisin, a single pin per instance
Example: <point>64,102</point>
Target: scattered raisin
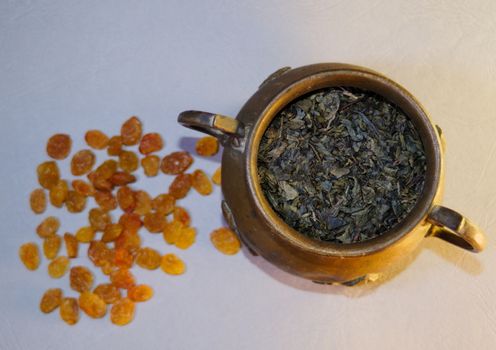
<point>225,240</point>
<point>207,146</point>
<point>92,304</point>
<point>83,187</point>
<point>126,199</point>
<point>122,278</point>
<point>140,293</point>
<point>150,143</point>
<point>82,162</point>
<point>75,202</point>
<point>50,300</point>
<point>131,131</point>
<point>122,178</point>
<point>164,203</point>
<point>69,310</point>
<point>216,177</point>
<point>30,255</point>
<point>37,201</point>
<point>154,222</point>
<point>128,161</point>
<point>172,231</point>
<point>85,234</point>
<point>58,267</point>
<point>51,246</point>
<point>48,174</point>
<point>148,258</point>
<point>180,214</point>
<point>131,222</point>
<point>176,163</point>
<point>172,265</point>
<point>106,200</point>
<point>128,240</point>
<point>143,203</point>
<point>96,139</point>
<point>48,227</point>
<point>81,279</point>
<point>180,186</point>
<point>114,147</point>
<point>108,292</point>
<point>71,245</point>
<point>122,312</point>
<point>59,146</point>
<point>123,259</point>
<point>186,238</point>
<point>58,193</point>
<point>99,253</point>
<point>111,232</point>
<point>201,182</point>
<point>98,219</point>
<point>151,165</point>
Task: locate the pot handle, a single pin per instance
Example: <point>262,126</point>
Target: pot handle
<point>456,229</point>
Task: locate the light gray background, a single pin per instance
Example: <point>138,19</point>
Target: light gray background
<point>68,66</point>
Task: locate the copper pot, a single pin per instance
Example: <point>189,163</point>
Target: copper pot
<point>250,215</point>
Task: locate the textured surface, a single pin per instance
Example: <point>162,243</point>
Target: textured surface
<point>70,66</point>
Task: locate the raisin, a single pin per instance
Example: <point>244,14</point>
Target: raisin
<point>111,232</point>
<point>180,186</point>
<point>143,203</point>
<point>180,214</point>
<point>99,253</point>
<point>58,267</point>
<point>123,259</point>
<point>81,279</point>
<point>51,246</point>
<point>130,222</point>
<point>186,238</point>
<point>150,143</point>
<point>225,241</point>
<point>148,258</point>
<point>75,202</point>
<point>140,293</point>
<point>92,304</point>
<point>216,177</point>
<point>59,146</point>
<point>71,245</point>
<point>98,219</point>
<point>106,169</point>
<point>82,162</point>
<point>131,131</point>
<point>122,178</point>
<point>83,187</point>
<point>151,165</point>
<point>50,300</point>
<point>108,292</point>
<point>85,234</point>
<point>69,310</point>
<point>176,163</point>
<point>201,182</point>
<point>154,222</point>
<point>129,241</point>
<point>105,200</point>
<point>122,312</point>
<point>58,193</point>
<point>48,174</point>
<point>99,182</point>
<point>122,278</point>
<point>48,227</point>
<point>37,201</point>
<point>172,265</point>
<point>207,146</point>
<point>172,231</point>
<point>126,199</point>
<point>164,203</point>
<point>114,147</point>
<point>96,139</point>
<point>128,161</point>
<point>30,255</point>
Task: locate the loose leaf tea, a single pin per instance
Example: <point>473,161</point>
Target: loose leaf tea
<point>341,165</point>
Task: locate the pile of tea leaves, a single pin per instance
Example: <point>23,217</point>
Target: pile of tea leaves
<point>341,165</point>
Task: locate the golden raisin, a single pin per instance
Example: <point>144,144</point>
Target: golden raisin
<point>130,222</point>
<point>58,193</point>
<point>122,312</point>
<point>99,182</point>
<point>85,234</point>
<point>151,165</point>
<point>176,163</point>
<point>71,245</point>
<point>172,231</point>
<point>106,169</point>
<point>180,214</point>
<point>114,147</point>
<point>59,146</point>
<point>51,246</point>
<point>58,267</point>
<point>83,187</point>
<point>216,177</point>
<point>148,258</point>
<point>82,162</point>
<point>225,240</point>
<point>140,293</point>
<point>48,227</point>
<point>123,259</point>
<point>96,139</point>
<point>48,174</point>
<point>207,146</point>
<point>180,186</point>
<point>105,200</point>
<point>99,253</point>
<point>164,203</point>
<point>75,202</point>
<point>50,300</point>
<point>128,240</point>
<point>186,238</point>
<point>92,304</point>
<point>172,265</point>
<point>108,292</point>
<point>30,255</point>
<point>201,182</point>
<point>69,310</point>
<point>122,278</point>
<point>128,161</point>
<point>131,131</point>
<point>122,178</point>
<point>150,143</point>
<point>98,219</point>
<point>126,199</point>
<point>37,201</point>
<point>111,232</point>
<point>81,279</point>
<point>154,222</point>
<point>143,203</point>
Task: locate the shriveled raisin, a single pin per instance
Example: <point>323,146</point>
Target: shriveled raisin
<point>108,292</point>
<point>176,163</point>
<point>225,241</point>
<point>58,193</point>
<point>172,230</point>
<point>99,253</point>
<point>128,161</point>
<point>164,203</point>
<point>122,278</point>
<point>201,182</point>
<point>130,222</point>
<point>99,219</point>
<point>106,200</point>
<point>51,246</point>
<point>106,169</point>
<point>111,232</point>
<point>58,267</point>
<point>48,227</point>
<point>154,222</point>
<point>122,178</point>
<point>81,279</point>
<point>85,234</point>
<point>186,238</point>
<point>96,139</point>
<point>123,259</point>
<point>131,131</point>
<point>37,201</point>
<point>180,214</point>
<point>114,147</point>
<point>180,186</point>
<point>172,265</point>
<point>30,255</point>
<point>207,146</point>
<point>50,300</point>
<point>99,182</point>
<point>82,162</point>
<point>126,199</point>
<point>59,146</point>
<point>69,311</point>
<point>131,241</point>
<point>143,203</point>
<point>83,187</point>
<point>48,174</point>
<point>217,177</point>
<point>151,165</point>
<point>71,245</point>
<point>151,142</point>
<point>122,312</point>
<point>148,258</point>
<point>75,202</point>
<point>92,304</point>
<point>140,293</point>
